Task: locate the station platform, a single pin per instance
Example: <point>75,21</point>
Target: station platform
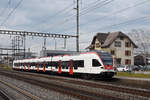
<point>133,78</point>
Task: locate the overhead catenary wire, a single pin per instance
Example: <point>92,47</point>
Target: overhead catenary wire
<point>90,8</point>
<point>95,7</point>
<point>144,18</point>
<point>6,7</point>
<point>116,12</point>
<point>101,4</point>
<point>63,11</point>
<point>71,16</point>
<point>11,12</point>
<point>112,14</point>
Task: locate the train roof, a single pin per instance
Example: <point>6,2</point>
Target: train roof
<point>100,52</point>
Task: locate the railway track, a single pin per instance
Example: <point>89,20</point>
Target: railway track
<point>82,94</point>
<point>96,85</point>
<point>23,92</point>
<point>4,96</point>
<point>75,92</point>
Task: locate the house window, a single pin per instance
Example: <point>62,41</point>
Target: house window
<point>97,45</point>
<point>128,62</point>
<point>118,61</point>
<point>112,52</point>
<point>127,44</point>
<point>117,44</point>
<point>127,53</point>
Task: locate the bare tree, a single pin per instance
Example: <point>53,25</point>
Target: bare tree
<point>142,40</point>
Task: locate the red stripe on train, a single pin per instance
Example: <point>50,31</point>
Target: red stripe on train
<point>108,66</point>
<point>44,67</point>
<point>59,70</point>
<point>71,68</point>
<point>37,67</point>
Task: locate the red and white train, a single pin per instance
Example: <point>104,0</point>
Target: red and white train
<point>87,64</point>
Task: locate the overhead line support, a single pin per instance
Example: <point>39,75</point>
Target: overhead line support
<point>38,34</point>
<point>77,41</point>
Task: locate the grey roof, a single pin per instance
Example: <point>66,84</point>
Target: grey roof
<point>101,37</point>
<point>108,39</point>
<point>111,37</point>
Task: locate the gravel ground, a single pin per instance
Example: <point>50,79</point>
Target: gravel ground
<point>42,93</point>
<point>14,95</point>
<point>133,78</point>
<point>49,95</point>
<point>103,91</point>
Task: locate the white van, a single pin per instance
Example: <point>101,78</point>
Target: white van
<point>123,68</point>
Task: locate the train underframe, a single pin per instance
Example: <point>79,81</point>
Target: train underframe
<point>80,75</point>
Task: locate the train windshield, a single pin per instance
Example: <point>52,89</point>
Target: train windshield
<point>106,58</point>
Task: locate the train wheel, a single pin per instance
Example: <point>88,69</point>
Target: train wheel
<point>86,76</point>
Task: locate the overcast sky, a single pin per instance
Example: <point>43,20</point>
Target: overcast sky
<point>58,16</point>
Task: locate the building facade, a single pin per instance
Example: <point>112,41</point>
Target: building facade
<point>118,44</point>
<point>142,59</point>
<point>46,53</point>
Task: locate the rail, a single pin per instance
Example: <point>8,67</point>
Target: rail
<point>18,90</point>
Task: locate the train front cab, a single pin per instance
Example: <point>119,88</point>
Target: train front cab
<point>107,69</point>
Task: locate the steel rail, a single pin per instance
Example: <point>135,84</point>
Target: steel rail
<point>95,85</point>
<point>20,91</point>
<point>4,95</point>
<point>75,92</point>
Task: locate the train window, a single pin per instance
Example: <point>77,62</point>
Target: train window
<point>21,64</point>
<point>65,64</point>
<point>56,67</point>
<point>31,64</point>
<point>95,63</point>
<point>46,64</point>
<point>37,65</point>
<point>49,63</point>
<point>75,67</point>
<point>34,64</point>
<point>54,64</point>
<point>78,63</point>
<point>15,64</point>
<point>41,65</point>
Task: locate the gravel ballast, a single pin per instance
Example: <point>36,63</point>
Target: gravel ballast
<point>42,93</point>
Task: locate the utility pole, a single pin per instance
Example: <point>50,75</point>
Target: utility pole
<point>64,43</point>
<point>55,43</point>
<point>24,45</point>
<point>44,47</point>
<point>77,42</point>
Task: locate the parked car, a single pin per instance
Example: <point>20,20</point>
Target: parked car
<point>135,68</point>
<point>123,68</point>
<point>148,67</point>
